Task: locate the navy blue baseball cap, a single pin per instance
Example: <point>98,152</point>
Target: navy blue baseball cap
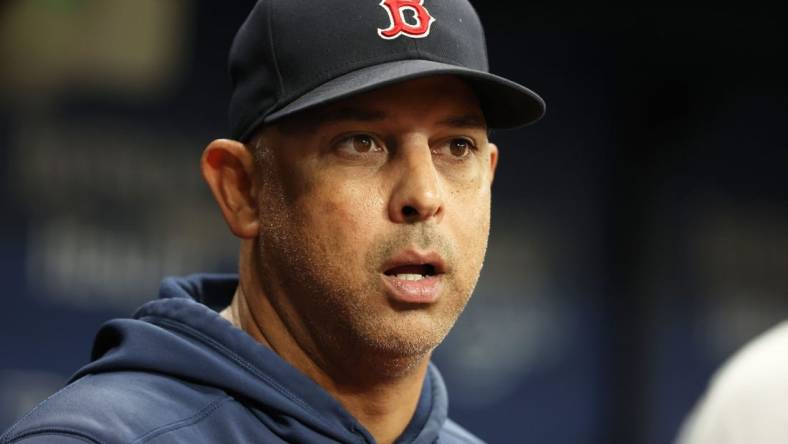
<point>293,55</point>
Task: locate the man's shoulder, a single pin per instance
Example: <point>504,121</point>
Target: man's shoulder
<point>453,433</point>
<point>118,407</point>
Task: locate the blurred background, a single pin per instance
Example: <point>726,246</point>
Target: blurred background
<point>640,231</point>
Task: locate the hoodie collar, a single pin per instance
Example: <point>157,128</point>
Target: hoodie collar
<point>202,346</point>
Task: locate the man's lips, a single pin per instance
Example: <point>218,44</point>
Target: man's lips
<point>430,261</point>
<point>414,277</point>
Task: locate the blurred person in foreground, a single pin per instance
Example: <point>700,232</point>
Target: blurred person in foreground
<point>358,180</point>
<point>747,401</point>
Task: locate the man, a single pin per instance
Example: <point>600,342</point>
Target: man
<point>359,184</point>
<point>746,401</point>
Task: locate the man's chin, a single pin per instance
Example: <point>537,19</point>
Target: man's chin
<point>406,335</point>
<point>395,358</point>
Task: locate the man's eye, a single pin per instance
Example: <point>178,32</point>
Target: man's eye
<point>458,148</point>
<point>358,144</point>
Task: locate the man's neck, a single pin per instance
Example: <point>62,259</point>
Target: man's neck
<point>384,402</point>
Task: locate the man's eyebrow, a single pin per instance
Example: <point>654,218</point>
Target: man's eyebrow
<point>473,120</point>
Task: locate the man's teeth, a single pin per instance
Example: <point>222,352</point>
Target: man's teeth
<point>410,276</point>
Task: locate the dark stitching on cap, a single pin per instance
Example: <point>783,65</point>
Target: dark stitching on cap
<point>273,49</point>
<point>483,35</point>
<point>254,122</point>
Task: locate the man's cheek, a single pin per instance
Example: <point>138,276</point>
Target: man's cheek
<point>472,232</point>
<point>333,225</point>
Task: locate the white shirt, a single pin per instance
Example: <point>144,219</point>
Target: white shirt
<point>747,402</point>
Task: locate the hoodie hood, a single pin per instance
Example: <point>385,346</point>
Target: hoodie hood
<point>182,335</point>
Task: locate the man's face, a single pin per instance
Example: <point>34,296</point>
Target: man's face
<point>374,216</point>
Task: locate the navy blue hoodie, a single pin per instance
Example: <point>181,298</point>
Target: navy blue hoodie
<point>180,373</point>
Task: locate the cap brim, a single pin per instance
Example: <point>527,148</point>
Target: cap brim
<point>505,104</point>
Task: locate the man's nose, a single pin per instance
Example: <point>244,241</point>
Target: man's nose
<point>417,195</point>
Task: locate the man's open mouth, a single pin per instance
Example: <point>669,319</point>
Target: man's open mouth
<point>412,272</point>
<point>414,277</point>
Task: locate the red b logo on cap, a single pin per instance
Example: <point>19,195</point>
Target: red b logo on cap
<point>396,11</point>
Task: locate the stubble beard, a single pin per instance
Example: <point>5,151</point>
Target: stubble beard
<point>343,322</point>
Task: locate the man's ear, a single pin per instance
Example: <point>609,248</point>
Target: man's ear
<point>493,160</point>
<point>228,166</point>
